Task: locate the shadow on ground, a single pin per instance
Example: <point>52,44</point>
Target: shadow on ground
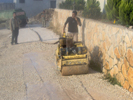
<point>96,62</point>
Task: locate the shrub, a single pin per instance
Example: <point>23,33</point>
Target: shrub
<point>126,12</point>
<point>68,4</point>
<point>92,9</point>
<point>112,9</point>
<point>111,79</point>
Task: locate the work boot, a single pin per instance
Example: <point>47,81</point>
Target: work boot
<point>16,43</point>
<point>11,43</point>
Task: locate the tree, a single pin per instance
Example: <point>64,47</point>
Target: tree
<point>71,4</point>
<point>126,12</point>
<point>92,9</point>
<point>112,9</point>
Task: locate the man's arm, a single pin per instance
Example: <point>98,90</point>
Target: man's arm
<point>11,25</point>
<point>78,21</point>
<point>65,25</point>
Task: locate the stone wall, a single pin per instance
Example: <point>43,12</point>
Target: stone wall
<point>111,46</point>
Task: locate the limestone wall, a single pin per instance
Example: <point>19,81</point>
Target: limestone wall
<point>110,46</point>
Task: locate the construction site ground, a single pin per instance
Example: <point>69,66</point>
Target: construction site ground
<point>28,71</point>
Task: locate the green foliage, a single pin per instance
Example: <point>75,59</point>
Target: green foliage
<point>112,9</point>
<point>68,4</point>
<point>126,12</point>
<point>5,15</point>
<point>111,79</point>
<point>92,9</point>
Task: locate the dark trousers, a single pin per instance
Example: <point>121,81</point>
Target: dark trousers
<point>15,35</point>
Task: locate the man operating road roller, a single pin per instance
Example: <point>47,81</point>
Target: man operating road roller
<point>73,23</point>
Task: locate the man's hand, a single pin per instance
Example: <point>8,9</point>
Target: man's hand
<point>63,31</point>
<point>64,28</point>
<point>76,19</point>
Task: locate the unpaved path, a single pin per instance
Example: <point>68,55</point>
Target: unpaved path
<point>28,71</point>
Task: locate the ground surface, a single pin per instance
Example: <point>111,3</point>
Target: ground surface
<point>28,71</point>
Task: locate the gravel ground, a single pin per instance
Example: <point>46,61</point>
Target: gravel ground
<point>28,72</point>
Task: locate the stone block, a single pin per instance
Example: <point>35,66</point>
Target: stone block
<point>115,61</point>
<point>130,89</point>
<point>111,52</point>
<point>114,40</point>
<point>95,30</point>
<point>108,42</point>
<point>104,71</point>
<point>122,49</point>
<point>103,57</point>
<point>103,35</point>
<point>124,71</point>
<point>126,85</point>
<point>120,63</point>
<point>107,57</point>
<point>99,28</point>
<point>130,76</point>
<point>117,53</point>
<point>132,43</point>
<point>104,46</point>
<point>96,40</point>
<point>109,30</point>
<point>127,40</point>
<point>126,64</point>
<point>115,30</point>
<point>106,65</point>
<point>120,78</point>
<point>130,56</point>
<point>114,71</point>
<point>89,35</point>
<point>130,34</point>
<point>111,62</point>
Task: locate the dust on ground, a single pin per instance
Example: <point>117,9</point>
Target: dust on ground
<point>29,72</point>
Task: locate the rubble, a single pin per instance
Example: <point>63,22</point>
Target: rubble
<point>37,19</point>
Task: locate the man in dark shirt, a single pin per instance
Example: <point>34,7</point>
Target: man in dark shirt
<point>43,18</point>
<point>73,23</point>
<point>15,28</point>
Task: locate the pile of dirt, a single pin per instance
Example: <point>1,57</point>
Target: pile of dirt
<point>37,19</point>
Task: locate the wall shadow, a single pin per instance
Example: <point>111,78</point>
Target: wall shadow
<point>96,61</point>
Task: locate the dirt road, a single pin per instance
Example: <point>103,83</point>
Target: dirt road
<point>28,71</point>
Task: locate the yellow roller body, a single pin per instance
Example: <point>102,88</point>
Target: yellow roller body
<point>75,61</point>
<point>74,70</point>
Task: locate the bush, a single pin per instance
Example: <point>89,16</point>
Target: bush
<point>68,4</point>
<point>111,79</point>
<point>92,9</point>
<point>126,12</point>
<point>112,9</point>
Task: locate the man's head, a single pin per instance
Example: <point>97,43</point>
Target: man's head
<point>14,14</point>
<point>74,14</point>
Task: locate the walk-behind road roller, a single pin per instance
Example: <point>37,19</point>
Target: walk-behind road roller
<point>71,57</point>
